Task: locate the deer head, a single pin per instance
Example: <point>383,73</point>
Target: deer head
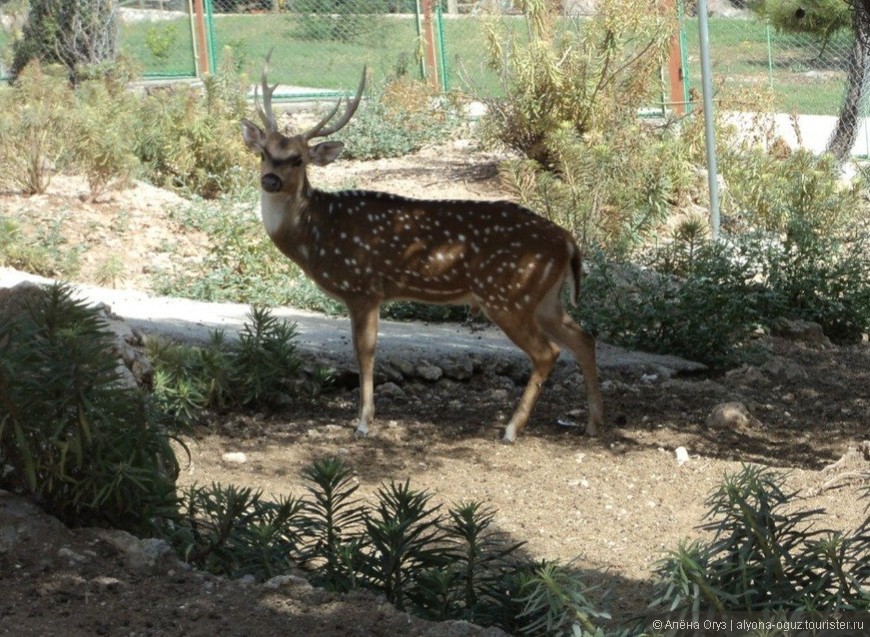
<point>283,158</point>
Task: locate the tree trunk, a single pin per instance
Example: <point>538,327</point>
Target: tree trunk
<point>859,71</point>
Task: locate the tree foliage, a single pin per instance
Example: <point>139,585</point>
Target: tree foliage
<point>80,34</point>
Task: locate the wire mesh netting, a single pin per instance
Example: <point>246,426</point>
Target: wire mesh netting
<point>155,36</point>
<point>319,46</point>
<point>805,70</point>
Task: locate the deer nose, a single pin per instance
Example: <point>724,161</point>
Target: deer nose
<point>271,182</point>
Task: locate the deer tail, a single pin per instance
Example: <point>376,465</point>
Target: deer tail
<point>576,274</point>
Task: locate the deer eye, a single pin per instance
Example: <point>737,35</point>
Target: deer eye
<point>292,160</point>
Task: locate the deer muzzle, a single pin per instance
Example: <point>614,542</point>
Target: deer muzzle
<point>271,182</point>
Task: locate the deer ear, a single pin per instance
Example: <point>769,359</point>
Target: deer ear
<point>252,134</point>
<point>325,153</point>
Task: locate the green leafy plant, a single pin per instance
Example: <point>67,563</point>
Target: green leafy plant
<point>769,192</point>
<point>554,603</point>
<point>191,142</point>
<point>100,145</point>
<point>765,554</point>
<point>95,452</point>
<point>399,118</point>
<point>823,277</point>
<point>261,370</point>
<point>480,557</point>
<point>234,531</point>
<point>33,128</point>
<point>333,525</point>
<point>161,40</point>
<point>700,306</point>
<point>403,537</point>
<point>585,75</point>
<point>611,189</point>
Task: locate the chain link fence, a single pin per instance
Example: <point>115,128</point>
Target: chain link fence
<point>155,36</point>
<point>319,47</point>
<point>806,73</point>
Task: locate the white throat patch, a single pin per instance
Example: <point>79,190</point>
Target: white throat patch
<point>273,208</point>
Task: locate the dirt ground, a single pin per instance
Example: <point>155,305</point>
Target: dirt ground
<point>612,505</point>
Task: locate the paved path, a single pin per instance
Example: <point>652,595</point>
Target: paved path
<point>329,337</point>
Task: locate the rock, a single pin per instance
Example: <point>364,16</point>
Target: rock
<point>458,369</point>
<point>234,457</point>
<point>428,371</point>
<point>731,415</point>
<point>280,581</point>
<point>682,455</point>
<point>748,375</point>
<point>800,330</point>
<point>403,366</point>
<point>779,366</point>
<point>391,391</point>
<point>148,554</point>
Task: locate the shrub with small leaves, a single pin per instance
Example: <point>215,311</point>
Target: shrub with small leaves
<point>34,128</point>
<point>765,554</point>
<point>260,371</point>
<point>191,142</point>
<point>94,451</point>
<point>101,146</point>
<point>399,119</point>
<point>234,531</point>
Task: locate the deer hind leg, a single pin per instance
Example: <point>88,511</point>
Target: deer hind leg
<point>527,335</point>
<point>364,323</point>
<point>560,327</point>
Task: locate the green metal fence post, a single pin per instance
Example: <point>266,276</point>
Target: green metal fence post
<point>684,56</point>
<point>209,23</point>
<point>442,55</point>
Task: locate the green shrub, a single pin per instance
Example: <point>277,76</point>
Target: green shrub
<point>260,371</point>
<point>100,145</point>
<point>190,142</point>
<point>233,531</point>
<point>34,132</point>
<point>333,525</point>
<point>698,305</point>
<point>768,192</point>
<point>612,189</point>
<point>821,276</point>
<point>398,119</point>
<point>765,555</point>
<point>453,566</point>
<point>586,75</point>
<point>78,35</point>
<point>94,451</point>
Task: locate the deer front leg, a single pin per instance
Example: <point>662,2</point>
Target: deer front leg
<point>364,322</point>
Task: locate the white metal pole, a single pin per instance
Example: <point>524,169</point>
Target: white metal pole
<point>707,82</point>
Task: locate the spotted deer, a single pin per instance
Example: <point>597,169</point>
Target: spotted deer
<point>365,248</point>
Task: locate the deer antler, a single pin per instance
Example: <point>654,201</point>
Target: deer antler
<point>319,131</point>
<point>265,111</point>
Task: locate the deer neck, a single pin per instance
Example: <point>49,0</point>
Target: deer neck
<point>286,219</point>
